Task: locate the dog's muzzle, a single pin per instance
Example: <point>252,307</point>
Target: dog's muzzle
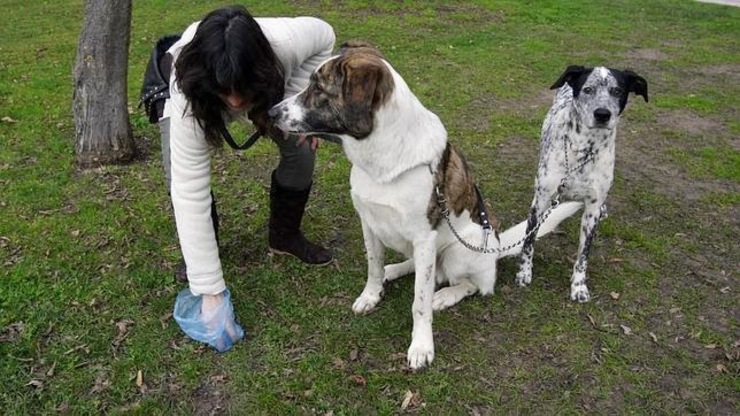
<point>275,111</point>
<point>602,116</point>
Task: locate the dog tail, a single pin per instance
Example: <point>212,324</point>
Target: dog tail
<point>513,238</point>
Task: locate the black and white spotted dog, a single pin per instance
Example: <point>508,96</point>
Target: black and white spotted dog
<point>577,156</point>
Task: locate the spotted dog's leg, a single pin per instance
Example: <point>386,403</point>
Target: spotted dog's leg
<point>375,250</point>
<point>540,204</point>
<point>394,271</point>
<point>604,215</point>
<point>591,216</point>
<point>421,350</point>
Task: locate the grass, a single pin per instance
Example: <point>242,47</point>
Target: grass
<point>87,257</point>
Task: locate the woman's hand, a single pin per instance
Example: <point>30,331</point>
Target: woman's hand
<point>315,141</point>
<point>211,303</point>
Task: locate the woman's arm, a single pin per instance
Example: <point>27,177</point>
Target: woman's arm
<point>301,44</point>
<point>191,198</point>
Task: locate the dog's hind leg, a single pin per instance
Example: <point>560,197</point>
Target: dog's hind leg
<point>592,214</point>
<point>539,206</point>
<point>370,296</point>
<point>421,350</point>
<point>396,270</point>
<point>451,295</point>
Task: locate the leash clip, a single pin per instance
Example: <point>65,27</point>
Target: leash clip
<point>441,201</point>
<point>486,233</point>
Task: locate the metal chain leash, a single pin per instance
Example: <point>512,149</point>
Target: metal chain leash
<point>442,202</point>
<point>446,215</point>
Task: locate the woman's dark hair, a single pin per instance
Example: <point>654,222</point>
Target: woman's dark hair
<point>229,54</point>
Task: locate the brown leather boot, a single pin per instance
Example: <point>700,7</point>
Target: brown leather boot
<point>286,212</point>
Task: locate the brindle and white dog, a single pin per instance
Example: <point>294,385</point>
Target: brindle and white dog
<point>401,159</point>
<point>577,156</point>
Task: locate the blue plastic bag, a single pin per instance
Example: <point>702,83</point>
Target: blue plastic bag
<point>218,328</point>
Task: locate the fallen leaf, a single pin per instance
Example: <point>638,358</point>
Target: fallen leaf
<point>139,379</point>
<point>653,336</point>
<point>353,355</point>
<point>51,370</point>
<point>407,400</point>
<point>721,368</point>
<point>711,346</point>
<point>359,380</point>
<point>123,325</point>
<point>163,320</point>
<point>725,290</point>
<point>37,384</point>
<point>410,400</point>
<point>7,119</point>
<point>101,383</point>
<point>626,329</point>
<point>615,295</point>
<point>218,378</point>
<point>338,364</point>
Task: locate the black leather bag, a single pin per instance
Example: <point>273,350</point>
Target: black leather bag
<point>155,88</point>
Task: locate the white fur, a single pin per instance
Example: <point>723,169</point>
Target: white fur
<point>578,150</point>
<point>391,186</point>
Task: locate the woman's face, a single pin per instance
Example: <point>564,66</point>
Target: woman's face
<point>237,101</point>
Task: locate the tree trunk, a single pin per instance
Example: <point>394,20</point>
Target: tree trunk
<point>102,130</point>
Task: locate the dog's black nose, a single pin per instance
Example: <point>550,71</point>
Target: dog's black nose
<point>602,115</point>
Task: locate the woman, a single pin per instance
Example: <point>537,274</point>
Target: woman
<point>232,67</point>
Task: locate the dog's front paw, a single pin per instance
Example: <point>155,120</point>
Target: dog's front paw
<point>394,271</point>
<point>523,277</point>
<point>420,354</point>
<point>443,299</point>
<point>366,303</point>
<point>450,296</point>
<point>579,293</point>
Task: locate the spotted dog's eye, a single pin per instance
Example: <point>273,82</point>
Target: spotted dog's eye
<point>588,90</point>
<point>616,91</point>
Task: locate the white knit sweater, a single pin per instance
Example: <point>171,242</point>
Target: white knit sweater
<point>301,44</point>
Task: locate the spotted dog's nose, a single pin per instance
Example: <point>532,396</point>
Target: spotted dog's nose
<point>602,115</point>
<point>274,111</point>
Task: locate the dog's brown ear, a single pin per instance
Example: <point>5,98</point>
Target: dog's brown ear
<point>571,73</point>
<point>636,84</point>
<point>356,45</point>
<point>367,85</point>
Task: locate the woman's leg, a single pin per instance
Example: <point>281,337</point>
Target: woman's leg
<point>289,192</point>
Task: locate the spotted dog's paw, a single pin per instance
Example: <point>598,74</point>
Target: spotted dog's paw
<point>579,293</point>
<point>523,277</point>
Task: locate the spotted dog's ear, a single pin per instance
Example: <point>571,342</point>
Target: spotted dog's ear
<point>571,73</point>
<point>367,85</point>
<point>636,84</point>
<point>355,46</point>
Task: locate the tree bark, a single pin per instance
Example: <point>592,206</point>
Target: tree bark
<point>100,105</point>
